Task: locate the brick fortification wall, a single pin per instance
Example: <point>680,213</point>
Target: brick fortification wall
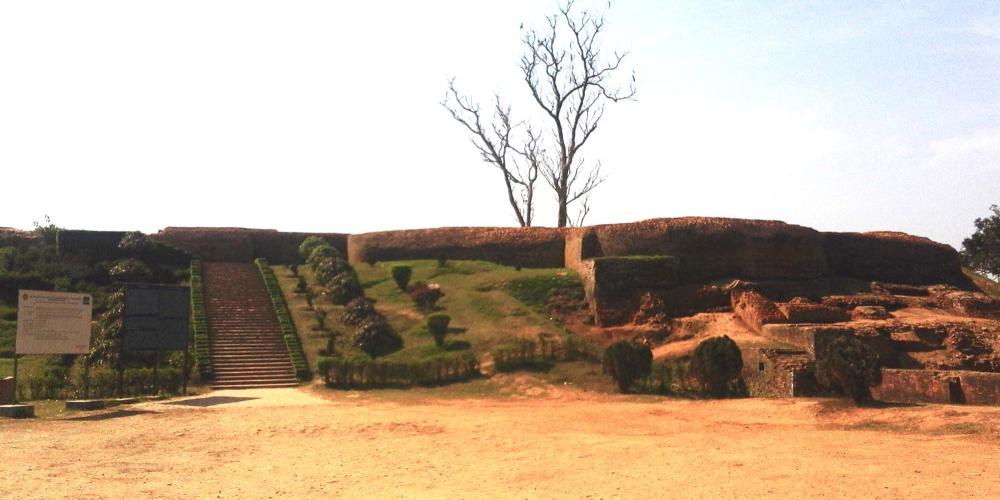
<point>892,257</point>
<point>938,386</point>
<point>710,248</point>
<point>526,247</point>
<point>242,245</point>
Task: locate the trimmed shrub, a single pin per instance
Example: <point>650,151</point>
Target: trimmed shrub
<point>199,323</point>
<point>323,252</point>
<point>851,365</point>
<point>716,363</point>
<point>363,373</point>
<point>425,295</point>
<point>401,275</point>
<point>376,337</point>
<point>328,268</point>
<point>437,324</point>
<point>358,310</point>
<point>627,362</point>
<point>343,288</point>
<point>309,244</point>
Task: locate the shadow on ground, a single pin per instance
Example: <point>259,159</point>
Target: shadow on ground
<point>110,415</point>
<point>210,401</point>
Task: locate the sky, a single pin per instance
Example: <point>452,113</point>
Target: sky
<point>326,116</point>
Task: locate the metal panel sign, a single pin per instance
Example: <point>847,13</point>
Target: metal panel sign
<point>156,317</point>
<point>53,322</point>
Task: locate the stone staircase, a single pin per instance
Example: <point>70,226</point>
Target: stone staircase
<point>245,340</point>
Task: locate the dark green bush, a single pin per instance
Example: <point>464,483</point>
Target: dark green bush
<point>288,330</point>
<point>358,310</point>
<point>199,323</point>
<point>627,362</point>
<point>376,337</point>
<point>328,268</point>
<point>437,324</point>
<point>851,365</point>
<point>716,363</point>
<point>323,252</point>
<point>343,288</point>
<point>401,275</point>
<point>309,244</point>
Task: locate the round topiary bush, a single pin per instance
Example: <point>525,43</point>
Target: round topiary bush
<point>343,288</point>
<point>358,310</point>
<point>437,324</point>
<point>376,337</point>
<point>627,362</point>
<point>401,275</point>
<point>851,365</point>
<point>321,253</point>
<point>717,363</point>
<point>309,244</point>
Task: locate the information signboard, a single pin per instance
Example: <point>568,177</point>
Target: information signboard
<point>156,318</point>
<point>52,322</point>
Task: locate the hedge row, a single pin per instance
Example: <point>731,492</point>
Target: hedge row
<point>288,331</point>
<point>365,373</point>
<point>199,323</point>
<point>101,383</point>
<point>529,353</point>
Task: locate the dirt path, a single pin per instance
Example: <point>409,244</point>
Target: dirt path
<point>290,443</point>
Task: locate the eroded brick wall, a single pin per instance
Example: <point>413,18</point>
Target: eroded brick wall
<point>526,247</point>
<point>242,245</point>
<point>938,386</point>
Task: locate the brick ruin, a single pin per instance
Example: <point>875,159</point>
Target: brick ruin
<point>794,289</point>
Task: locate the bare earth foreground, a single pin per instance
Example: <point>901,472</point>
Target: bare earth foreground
<point>559,443</point>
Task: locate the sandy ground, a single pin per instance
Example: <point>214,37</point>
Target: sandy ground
<point>558,443</point>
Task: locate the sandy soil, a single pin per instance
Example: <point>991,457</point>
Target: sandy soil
<point>557,443</point>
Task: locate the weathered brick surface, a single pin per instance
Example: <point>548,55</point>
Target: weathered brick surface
<point>938,386</point>
<point>892,257</point>
<point>614,286</point>
<point>527,247</point>
<point>805,312</point>
<point>242,245</point>
<point>755,310</point>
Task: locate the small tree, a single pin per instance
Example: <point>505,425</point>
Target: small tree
<point>425,295</point>
<point>981,251</point>
<point>717,363</point>
<point>437,324</point>
<point>627,362</point>
<point>309,244</point>
<point>376,337</point>
<point>401,275</point>
<point>851,365</point>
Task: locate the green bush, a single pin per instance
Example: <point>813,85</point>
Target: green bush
<point>437,324</point>
<point>851,365</point>
<point>323,252</point>
<point>199,323</point>
<point>401,275</point>
<point>358,310</point>
<point>309,244</point>
<point>376,337</point>
<point>627,362</point>
<point>717,363</point>
<point>344,288</point>
<point>363,373</point>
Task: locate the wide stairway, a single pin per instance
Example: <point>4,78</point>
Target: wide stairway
<point>244,337</point>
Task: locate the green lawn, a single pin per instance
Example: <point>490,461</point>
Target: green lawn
<point>483,313</point>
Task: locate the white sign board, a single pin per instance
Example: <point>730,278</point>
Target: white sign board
<point>52,323</point>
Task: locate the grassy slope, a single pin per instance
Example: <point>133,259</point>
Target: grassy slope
<point>985,284</point>
<point>483,313</point>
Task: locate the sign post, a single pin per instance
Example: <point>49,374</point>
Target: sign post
<point>51,323</point>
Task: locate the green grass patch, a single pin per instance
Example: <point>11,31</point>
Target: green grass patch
<point>536,291</point>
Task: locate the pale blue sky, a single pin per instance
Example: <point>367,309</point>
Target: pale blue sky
<point>324,116</point>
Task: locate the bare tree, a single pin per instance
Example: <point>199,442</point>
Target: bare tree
<point>519,165</point>
<point>571,83</point>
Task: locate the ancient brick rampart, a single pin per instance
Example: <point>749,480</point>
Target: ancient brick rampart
<point>892,257</point>
<point>709,248</point>
<point>526,247</point>
<point>240,244</point>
